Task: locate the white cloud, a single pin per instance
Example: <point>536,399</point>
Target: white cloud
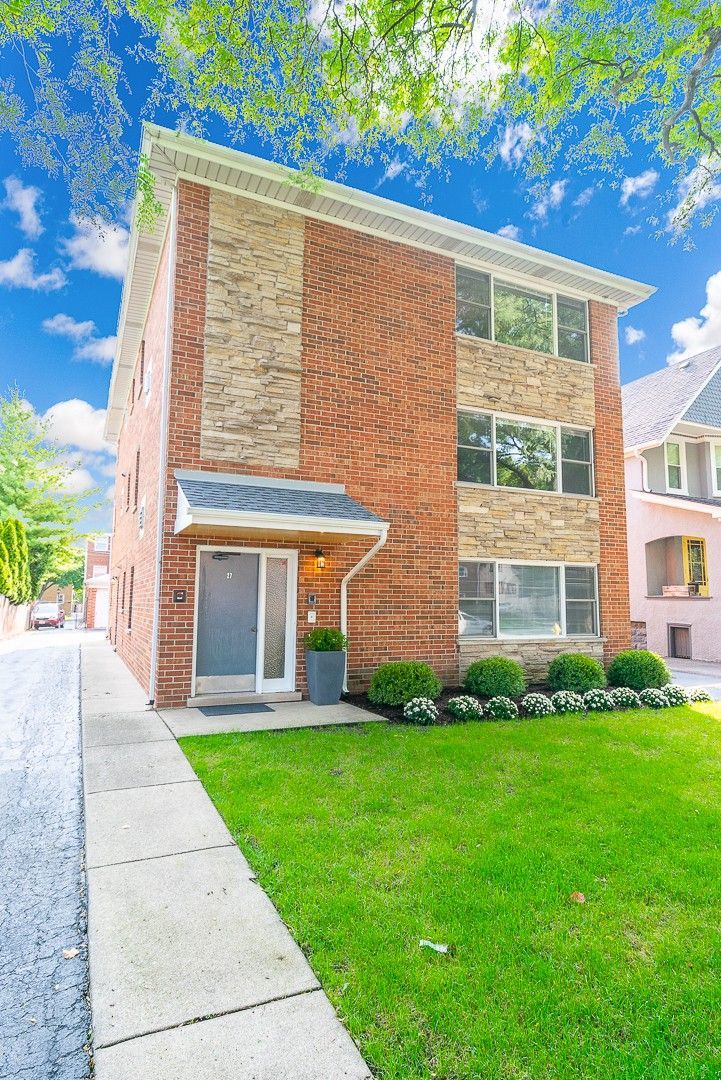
<point>585,197</point>
<point>77,481</point>
<point>634,336</point>
<point>702,331</point>
<point>631,230</point>
<point>701,187</point>
<point>67,326</point>
<point>549,199</point>
<point>514,143</point>
<point>110,493</point>
<point>639,186</point>
<point>511,232</point>
<point>76,423</point>
<point>479,201</point>
<point>394,169</point>
<point>98,351</point>
<point>19,273</point>
<point>103,250</point>
<point>24,201</point>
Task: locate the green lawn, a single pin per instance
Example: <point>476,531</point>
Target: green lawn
<point>370,838</point>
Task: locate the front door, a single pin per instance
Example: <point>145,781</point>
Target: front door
<point>679,642</point>
<point>245,636</point>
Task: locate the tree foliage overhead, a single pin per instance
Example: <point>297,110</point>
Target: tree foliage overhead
<point>33,490</point>
<point>583,83</point>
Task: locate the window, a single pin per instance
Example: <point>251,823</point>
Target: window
<point>522,318</point>
<point>137,480</point>
<point>141,371</point>
<point>100,543</point>
<point>716,467</point>
<point>510,600</point>
<point>516,453</point>
<point>695,569</point>
<point>516,315</point>
<point>525,455</point>
<point>130,598</point>
<point>127,491</point>
<point>473,303</point>
<point>141,518</point>
<point>475,447</point>
<point>675,453</point>
<point>98,571</point>
<point>122,603</point>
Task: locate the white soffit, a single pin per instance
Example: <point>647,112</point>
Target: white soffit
<point>172,155</point>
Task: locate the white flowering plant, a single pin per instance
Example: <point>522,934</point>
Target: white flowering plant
<point>653,698</point>
<point>675,695</point>
<point>597,701</point>
<point>465,708</point>
<point>565,701</point>
<point>420,710</point>
<point>699,694</point>
<point>623,697</point>
<point>501,708</point>
<point>537,705</point>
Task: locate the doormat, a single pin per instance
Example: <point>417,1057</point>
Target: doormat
<point>233,710</point>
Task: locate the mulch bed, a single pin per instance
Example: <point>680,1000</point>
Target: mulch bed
<point>394,713</point>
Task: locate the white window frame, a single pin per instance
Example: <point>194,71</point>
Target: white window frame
<point>681,442</point>
<point>262,685</point>
<point>537,422</point>
<point>714,445</point>
<point>524,283</point>
<point>561,566</point>
<point>101,544</point>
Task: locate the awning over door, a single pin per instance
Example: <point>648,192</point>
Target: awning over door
<point>261,507</point>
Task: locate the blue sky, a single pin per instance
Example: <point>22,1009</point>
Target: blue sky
<point>60,283</point>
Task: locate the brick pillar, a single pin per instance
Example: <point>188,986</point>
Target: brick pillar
<point>610,487</point>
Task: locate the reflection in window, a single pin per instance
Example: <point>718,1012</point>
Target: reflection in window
<point>525,455</point>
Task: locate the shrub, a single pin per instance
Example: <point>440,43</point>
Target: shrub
<point>576,672</point>
<point>597,701</point>
<point>675,695</point>
<point>624,698</point>
<point>699,694</point>
<point>537,705</point>
<point>420,710</point>
<point>653,698</point>
<point>565,701</point>
<point>497,676</point>
<point>465,708</point>
<point>638,669</point>
<point>400,681</point>
<point>501,708</point>
<point>325,639</point>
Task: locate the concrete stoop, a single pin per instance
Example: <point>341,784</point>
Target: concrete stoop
<point>193,975</point>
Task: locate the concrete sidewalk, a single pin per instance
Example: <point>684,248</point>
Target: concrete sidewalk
<point>193,975</point>
<point>697,673</point>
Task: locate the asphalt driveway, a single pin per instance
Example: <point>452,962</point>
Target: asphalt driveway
<point>44,1013</point>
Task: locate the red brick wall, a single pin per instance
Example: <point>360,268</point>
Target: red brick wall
<point>610,489</point>
<point>377,414</point>
<point>140,431</point>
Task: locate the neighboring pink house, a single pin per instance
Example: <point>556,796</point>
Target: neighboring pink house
<point>672,438</point>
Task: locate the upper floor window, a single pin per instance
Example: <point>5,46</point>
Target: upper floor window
<point>100,543</point>
<point>675,454</point>
<point>520,453</point>
<point>514,315</point>
<point>716,467</point>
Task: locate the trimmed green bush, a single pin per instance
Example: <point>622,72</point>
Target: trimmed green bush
<point>576,672</point>
<point>638,669</point>
<point>325,639</point>
<point>399,681</point>
<point>496,676</point>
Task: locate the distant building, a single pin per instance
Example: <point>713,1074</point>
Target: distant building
<point>672,437</point>
<point>62,595</point>
<point>97,582</point>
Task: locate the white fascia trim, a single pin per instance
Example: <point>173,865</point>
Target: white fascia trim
<point>258,481</point>
<point>678,504</point>
<point>243,519</point>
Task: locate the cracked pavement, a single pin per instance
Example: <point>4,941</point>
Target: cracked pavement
<point>44,1012</point>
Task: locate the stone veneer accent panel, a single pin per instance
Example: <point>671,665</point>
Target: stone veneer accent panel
<point>534,656</point>
<point>251,376</point>
<point>497,523</point>
<point>506,379</point>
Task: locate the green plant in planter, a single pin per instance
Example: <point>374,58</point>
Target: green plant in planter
<point>325,664</point>
<point>325,639</point>
<point>576,672</point>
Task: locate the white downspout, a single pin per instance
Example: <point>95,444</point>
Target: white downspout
<point>344,591</point>
<point>644,470</point>
<point>167,357</point>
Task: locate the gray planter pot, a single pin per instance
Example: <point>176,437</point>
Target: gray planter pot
<point>325,676</point>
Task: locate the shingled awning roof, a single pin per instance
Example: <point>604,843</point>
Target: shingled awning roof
<point>682,392</point>
<point>222,504</point>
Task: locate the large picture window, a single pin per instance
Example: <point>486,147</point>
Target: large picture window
<point>536,600</point>
<point>518,453</point>
<point>497,310</point>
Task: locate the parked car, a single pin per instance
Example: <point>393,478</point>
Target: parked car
<point>47,615</point>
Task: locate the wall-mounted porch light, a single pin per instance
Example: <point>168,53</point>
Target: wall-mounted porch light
<point>319,559</point>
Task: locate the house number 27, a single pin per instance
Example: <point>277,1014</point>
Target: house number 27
<point>229,575</point>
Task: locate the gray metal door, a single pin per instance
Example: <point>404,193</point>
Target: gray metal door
<point>227,622</point>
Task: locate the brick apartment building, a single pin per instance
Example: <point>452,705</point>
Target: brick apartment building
<point>332,408</point>
<point>97,583</point>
